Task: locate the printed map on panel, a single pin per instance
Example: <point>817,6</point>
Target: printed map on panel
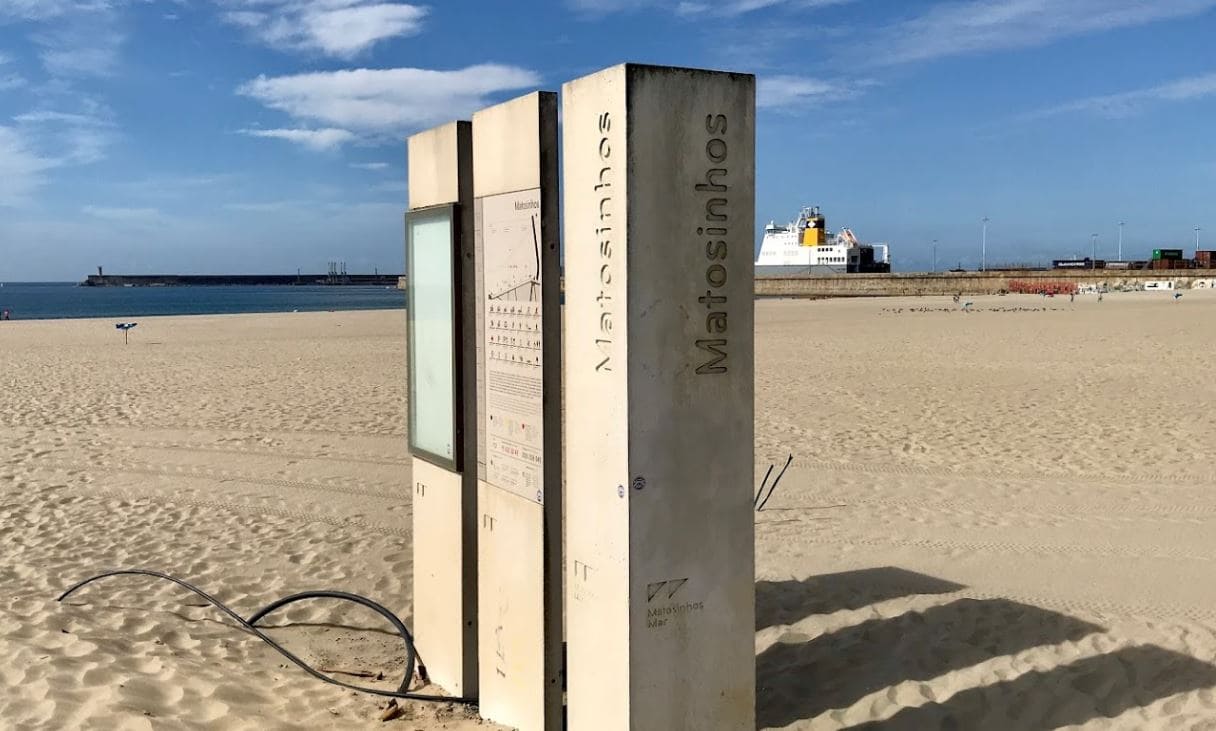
<point>513,342</point>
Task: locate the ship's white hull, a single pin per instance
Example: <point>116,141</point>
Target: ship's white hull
<point>790,271</point>
<point>804,247</point>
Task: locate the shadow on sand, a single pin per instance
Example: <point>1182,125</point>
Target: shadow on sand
<point>838,669</point>
<point>787,602</point>
<point>1103,686</point>
<point>801,677</point>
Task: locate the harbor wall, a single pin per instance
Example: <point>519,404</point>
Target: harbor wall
<point>967,283</point>
<point>831,285</point>
<point>248,280</point>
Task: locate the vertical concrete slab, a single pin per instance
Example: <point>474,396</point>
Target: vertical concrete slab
<point>439,623</point>
<point>659,168</point>
<point>519,494</point>
<point>440,163</point>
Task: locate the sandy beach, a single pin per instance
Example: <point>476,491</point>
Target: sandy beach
<point>995,519</point>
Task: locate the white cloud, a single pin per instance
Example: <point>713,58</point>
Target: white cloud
<point>370,165</point>
<point>313,139</point>
<point>123,215</point>
<point>977,26</point>
<point>75,37</point>
<point>740,7</point>
<point>1131,102</point>
<point>69,138</point>
<point>22,168</point>
<point>41,142</point>
<point>46,115</point>
<point>386,101</point>
<point>72,38</point>
<point>47,9</point>
<point>341,28</point>
<point>311,208</point>
<point>696,7</point>
<point>389,186</point>
<point>80,49</point>
<point>173,186</point>
<point>790,91</point>
<point>9,81</point>
<point>603,7</point>
<point>266,207</point>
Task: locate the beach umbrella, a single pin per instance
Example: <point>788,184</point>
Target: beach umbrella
<point>126,328</point>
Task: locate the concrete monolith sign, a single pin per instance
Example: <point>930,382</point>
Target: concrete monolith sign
<point>659,167</point>
<point>442,400</point>
<point>519,386</point>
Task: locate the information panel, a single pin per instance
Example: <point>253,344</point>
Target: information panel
<point>511,247</point>
<point>432,367</point>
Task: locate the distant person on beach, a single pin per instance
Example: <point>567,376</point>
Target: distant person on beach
<point>6,315</point>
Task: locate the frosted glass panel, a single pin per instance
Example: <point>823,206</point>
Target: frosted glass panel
<point>431,334</point>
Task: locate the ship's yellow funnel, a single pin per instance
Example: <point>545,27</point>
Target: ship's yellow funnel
<point>815,234</point>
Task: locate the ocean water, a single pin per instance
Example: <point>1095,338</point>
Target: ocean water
<point>54,300</point>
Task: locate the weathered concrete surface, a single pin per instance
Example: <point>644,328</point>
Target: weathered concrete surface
<point>520,539</point>
<point>445,503</point>
<point>903,285</point>
<point>441,629</point>
<point>659,168</point>
<point>432,167</point>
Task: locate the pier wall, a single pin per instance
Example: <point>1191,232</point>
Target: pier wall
<point>255,280</point>
<point>948,283</point>
<point>836,285</point>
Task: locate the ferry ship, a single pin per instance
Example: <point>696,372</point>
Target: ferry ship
<point>806,247</point>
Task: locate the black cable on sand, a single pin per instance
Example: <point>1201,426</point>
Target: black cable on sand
<point>411,653</point>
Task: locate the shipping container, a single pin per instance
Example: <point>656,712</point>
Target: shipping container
<point>1118,265</point>
<point>1071,264</point>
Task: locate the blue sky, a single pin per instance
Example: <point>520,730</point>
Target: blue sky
<point>266,135</point>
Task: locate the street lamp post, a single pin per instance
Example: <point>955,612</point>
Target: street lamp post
<point>1197,230</point>
<point>984,247</point>
<point>934,256</point>
<point>1093,259</point>
<point>1120,241</point>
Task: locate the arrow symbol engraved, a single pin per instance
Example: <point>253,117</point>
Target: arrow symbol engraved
<point>672,586</point>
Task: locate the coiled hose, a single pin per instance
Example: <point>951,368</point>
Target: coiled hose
<point>411,653</point>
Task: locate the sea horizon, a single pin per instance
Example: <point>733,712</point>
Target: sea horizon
<point>69,300</point>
